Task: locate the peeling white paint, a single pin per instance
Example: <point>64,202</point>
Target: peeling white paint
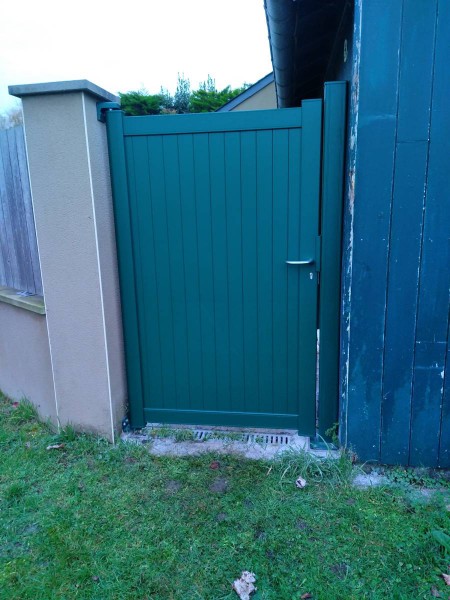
<point>351,200</point>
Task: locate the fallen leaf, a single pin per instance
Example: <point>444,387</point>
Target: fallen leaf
<point>446,578</point>
<point>435,593</point>
<point>214,465</point>
<point>300,483</point>
<point>305,596</point>
<point>55,447</point>
<point>244,585</point>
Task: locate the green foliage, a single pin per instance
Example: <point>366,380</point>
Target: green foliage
<point>418,477</point>
<point>141,103</point>
<point>333,433</point>
<point>443,539</point>
<point>23,412</point>
<point>206,99</point>
<point>181,100</point>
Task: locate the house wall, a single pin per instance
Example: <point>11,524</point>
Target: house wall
<point>395,402</point>
<point>264,99</point>
<point>25,366</point>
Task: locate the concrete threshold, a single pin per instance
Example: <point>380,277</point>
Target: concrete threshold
<point>255,443</point>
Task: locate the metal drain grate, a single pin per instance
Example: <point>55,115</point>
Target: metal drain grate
<point>265,439</point>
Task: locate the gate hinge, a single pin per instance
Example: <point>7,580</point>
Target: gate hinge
<point>102,107</point>
<point>318,253</point>
<point>126,425</point>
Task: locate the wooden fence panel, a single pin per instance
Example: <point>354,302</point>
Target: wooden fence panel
<point>19,258</point>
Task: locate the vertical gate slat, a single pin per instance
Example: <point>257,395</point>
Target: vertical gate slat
<point>219,243</point>
<point>250,267</point>
<point>162,267</point>
<point>206,267</point>
<point>190,253</point>
<point>293,275</point>
<point>146,284</point>
<point>234,266</point>
<point>279,267</point>
<point>177,268</point>
<point>264,153</point>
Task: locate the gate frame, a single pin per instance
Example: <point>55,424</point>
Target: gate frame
<point>331,205</point>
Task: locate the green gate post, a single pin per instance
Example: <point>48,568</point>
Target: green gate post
<point>334,125</point>
<point>119,184</point>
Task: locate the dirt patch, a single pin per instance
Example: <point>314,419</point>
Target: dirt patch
<point>31,529</point>
<point>302,525</point>
<point>173,486</point>
<point>340,570</point>
<point>219,485</point>
<point>259,535</point>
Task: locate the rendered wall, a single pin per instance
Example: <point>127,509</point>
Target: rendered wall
<point>25,366</point>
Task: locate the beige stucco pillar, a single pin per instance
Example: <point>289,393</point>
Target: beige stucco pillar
<point>69,173</point>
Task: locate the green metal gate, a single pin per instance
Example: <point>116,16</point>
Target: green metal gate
<point>217,224</point>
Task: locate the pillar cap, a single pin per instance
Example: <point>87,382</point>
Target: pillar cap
<point>61,87</point>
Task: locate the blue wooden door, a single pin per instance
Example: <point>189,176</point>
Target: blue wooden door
<point>217,220</point>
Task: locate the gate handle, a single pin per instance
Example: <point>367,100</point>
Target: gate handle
<point>300,262</point>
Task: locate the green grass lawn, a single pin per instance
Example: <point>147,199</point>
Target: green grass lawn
<point>96,521</point>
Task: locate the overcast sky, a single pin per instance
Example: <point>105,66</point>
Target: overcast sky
<point>128,45</point>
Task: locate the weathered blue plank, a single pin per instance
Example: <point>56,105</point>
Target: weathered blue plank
<point>416,65</point>
<point>432,319</point>
<point>402,293</point>
<point>444,440</point>
<point>426,403</point>
<point>377,120</point>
